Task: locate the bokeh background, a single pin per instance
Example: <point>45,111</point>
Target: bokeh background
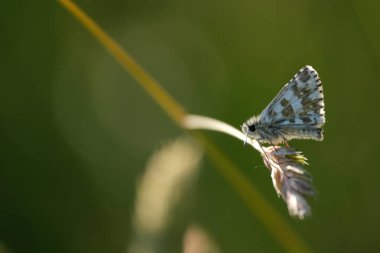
<point>78,135</point>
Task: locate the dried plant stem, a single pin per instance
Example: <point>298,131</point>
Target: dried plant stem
<point>151,86</point>
<point>192,121</point>
<point>289,239</point>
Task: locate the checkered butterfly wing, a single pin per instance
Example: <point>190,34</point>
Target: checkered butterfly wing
<point>299,106</point>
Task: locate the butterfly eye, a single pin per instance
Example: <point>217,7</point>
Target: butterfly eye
<point>252,128</point>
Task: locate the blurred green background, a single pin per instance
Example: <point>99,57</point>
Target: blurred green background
<point>76,131</point>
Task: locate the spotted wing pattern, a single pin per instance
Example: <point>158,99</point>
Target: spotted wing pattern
<point>299,104</point>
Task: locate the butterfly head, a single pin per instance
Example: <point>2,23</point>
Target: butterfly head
<point>249,128</point>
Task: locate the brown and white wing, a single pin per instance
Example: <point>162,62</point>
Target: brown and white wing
<point>299,104</point>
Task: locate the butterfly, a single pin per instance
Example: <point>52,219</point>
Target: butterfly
<point>297,112</point>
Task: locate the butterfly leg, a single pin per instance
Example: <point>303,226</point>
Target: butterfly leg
<point>265,153</point>
<point>285,141</point>
<point>271,143</point>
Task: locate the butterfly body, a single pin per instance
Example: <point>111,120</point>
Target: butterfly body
<point>297,112</point>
